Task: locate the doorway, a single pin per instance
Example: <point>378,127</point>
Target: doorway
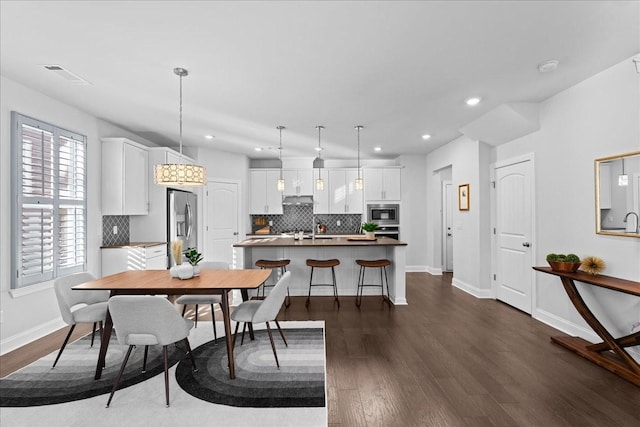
<point>514,219</point>
<point>221,221</point>
<point>448,200</point>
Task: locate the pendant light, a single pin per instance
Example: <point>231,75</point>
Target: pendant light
<point>281,180</point>
<point>623,179</point>
<point>179,174</point>
<point>318,162</point>
<point>359,180</point>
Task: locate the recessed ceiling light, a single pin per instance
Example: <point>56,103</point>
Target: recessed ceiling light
<point>377,148</point>
<point>473,101</point>
<point>426,136</point>
<point>209,136</point>
<point>258,149</point>
<point>319,148</point>
<point>548,66</point>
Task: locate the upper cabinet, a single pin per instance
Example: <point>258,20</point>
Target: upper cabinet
<point>298,182</point>
<point>125,166</point>
<point>265,197</point>
<point>343,196</point>
<point>382,184</point>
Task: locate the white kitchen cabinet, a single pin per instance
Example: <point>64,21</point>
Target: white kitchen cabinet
<point>118,259</point>
<point>265,197</point>
<point>298,182</point>
<point>321,197</point>
<point>125,166</point>
<point>382,184</point>
<point>343,196</point>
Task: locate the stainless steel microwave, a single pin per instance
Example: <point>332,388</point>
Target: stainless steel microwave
<point>383,214</point>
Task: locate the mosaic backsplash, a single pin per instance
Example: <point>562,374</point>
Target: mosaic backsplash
<point>300,218</point>
<point>121,223</point>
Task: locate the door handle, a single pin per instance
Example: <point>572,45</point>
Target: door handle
<point>526,244</point>
<point>235,233</point>
<point>449,234</point>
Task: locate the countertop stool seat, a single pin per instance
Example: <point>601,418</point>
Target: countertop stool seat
<point>382,264</point>
<point>328,263</point>
<point>274,264</point>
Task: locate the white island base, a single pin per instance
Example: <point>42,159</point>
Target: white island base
<point>346,272</point>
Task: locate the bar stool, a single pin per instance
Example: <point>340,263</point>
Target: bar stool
<point>273,264</point>
<point>382,265</point>
<point>329,263</point>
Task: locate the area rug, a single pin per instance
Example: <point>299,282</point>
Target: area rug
<point>73,377</point>
<point>299,382</point>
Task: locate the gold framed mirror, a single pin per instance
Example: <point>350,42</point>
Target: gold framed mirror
<point>618,195</point>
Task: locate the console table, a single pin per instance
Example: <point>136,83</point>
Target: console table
<point>610,353</point>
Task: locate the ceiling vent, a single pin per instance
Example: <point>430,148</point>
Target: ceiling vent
<point>67,75</point>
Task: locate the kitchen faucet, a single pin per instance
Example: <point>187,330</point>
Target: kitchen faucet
<point>637,227</point>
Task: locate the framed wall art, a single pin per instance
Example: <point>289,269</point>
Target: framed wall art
<point>463,197</point>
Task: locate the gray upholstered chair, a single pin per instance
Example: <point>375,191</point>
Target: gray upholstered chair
<point>204,299</point>
<point>266,310</point>
<point>79,306</point>
<point>148,320</point>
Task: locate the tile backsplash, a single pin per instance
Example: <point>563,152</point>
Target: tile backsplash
<point>111,223</point>
<point>300,218</point>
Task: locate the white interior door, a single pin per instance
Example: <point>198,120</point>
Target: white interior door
<point>221,221</point>
<point>447,222</point>
<point>513,234</point>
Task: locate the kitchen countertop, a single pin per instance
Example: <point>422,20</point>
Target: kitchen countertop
<point>134,245</point>
<point>321,240</point>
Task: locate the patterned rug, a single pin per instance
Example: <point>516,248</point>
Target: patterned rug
<point>300,381</point>
<point>73,377</point>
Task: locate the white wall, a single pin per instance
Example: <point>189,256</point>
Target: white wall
<point>598,117</point>
<point>413,210</point>
<point>468,161</point>
<point>36,314</point>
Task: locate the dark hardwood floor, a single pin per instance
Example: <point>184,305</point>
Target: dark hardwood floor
<point>446,359</point>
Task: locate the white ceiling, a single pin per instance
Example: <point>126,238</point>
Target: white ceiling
<point>399,68</point>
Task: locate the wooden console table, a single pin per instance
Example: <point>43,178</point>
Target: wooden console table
<point>610,353</point>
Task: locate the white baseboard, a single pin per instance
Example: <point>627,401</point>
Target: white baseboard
<point>472,290</point>
<point>435,271</point>
<point>28,336</point>
<point>417,269</point>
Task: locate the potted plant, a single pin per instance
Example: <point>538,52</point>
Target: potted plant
<point>194,258</point>
<point>369,228</point>
<point>561,262</point>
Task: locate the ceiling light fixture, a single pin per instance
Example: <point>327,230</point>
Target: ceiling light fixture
<point>180,174</point>
<point>623,179</point>
<point>281,180</point>
<point>208,136</point>
<point>548,66</point>
<point>318,162</point>
<point>377,148</point>
<point>359,180</point>
<point>426,136</point>
<point>258,149</point>
<point>473,101</point>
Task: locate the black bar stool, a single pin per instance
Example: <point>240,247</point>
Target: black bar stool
<point>273,264</point>
<point>382,265</point>
<point>329,263</point>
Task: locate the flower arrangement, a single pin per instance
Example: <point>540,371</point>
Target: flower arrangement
<point>593,265</point>
<point>193,256</point>
<point>176,251</point>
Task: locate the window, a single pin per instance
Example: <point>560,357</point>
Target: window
<point>49,222</point>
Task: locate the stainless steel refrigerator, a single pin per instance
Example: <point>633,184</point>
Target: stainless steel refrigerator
<point>182,221</point>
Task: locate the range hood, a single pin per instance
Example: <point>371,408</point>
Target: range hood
<point>298,200</point>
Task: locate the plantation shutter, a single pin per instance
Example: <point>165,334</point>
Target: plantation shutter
<point>49,230</point>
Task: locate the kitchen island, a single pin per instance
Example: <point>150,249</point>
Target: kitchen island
<point>346,249</point>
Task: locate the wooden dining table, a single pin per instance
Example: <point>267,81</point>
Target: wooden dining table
<point>160,282</point>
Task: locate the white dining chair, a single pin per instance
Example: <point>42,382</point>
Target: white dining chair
<point>148,320</point>
<point>265,310</point>
<point>204,299</point>
<point>79,306</point>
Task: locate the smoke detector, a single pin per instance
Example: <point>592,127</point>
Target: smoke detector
<point>548,66</point>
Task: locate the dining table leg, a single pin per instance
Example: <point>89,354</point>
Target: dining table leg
<point>227,332</point>
<point>104,344</point>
